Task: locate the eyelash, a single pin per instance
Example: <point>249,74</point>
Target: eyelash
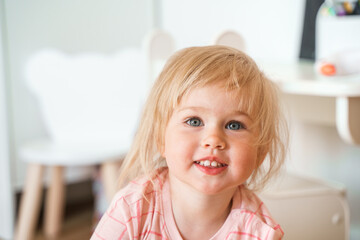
<point>240,125</point>
<point>189,122</point>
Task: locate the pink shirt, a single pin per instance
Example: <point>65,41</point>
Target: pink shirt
<point>138,211</point>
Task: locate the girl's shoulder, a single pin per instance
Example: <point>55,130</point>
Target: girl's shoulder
<point>141,188</point>
<point>139,199</point>
<point>254,213</point>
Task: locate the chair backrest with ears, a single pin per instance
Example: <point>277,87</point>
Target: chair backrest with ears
<point>159,45</point>
<point>231,39</point>
<point>89,98</point>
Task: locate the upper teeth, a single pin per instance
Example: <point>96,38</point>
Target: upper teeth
<point>208,163</point>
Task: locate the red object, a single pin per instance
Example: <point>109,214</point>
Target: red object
<point>328,69</point>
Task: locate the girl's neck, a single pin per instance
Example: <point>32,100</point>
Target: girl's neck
<point>193,208</point>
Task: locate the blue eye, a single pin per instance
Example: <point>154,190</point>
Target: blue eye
<point>194,122</point>
<point>235,125</point>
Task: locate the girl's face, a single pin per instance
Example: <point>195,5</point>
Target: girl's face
<point>208,143</point>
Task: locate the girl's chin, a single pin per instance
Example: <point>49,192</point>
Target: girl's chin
<point>213,189</point>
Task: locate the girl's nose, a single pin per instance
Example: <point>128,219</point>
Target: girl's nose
<point>213,141</point>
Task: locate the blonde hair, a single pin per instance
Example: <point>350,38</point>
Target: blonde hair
<point>196,67</point>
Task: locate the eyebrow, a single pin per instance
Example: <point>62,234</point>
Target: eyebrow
<point>238,112</point>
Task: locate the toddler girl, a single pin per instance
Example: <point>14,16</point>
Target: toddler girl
<point>209,136</point>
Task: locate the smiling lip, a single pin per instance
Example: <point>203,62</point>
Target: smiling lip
<point>210,165</point>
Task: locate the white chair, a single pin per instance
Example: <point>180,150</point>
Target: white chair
<point>159,45</point>
<point>90,104</point>
<point>232,39</point>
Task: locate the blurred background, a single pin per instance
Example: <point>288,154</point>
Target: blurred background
<point>273,33</point>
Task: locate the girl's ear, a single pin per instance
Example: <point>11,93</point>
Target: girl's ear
<point>161,149</point>
<point>162,152</point>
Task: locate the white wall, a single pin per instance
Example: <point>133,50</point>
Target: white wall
<point>6,191</point>
<point>272,29</point>
<point>73,26</point>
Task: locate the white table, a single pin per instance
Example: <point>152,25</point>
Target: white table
<point>341,93</point>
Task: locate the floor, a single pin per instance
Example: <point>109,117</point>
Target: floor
<point>79,222</point>
<point>79,226</point>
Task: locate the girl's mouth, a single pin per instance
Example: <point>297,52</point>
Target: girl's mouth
<point>210,167</point>
<point>210,164</point>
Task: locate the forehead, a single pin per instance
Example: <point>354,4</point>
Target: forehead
<point>240,98</point>
<point>211,95</point>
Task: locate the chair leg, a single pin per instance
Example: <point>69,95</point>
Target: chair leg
<point>110,174</point>
<point>54,205</point>
<point>30,203</point>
